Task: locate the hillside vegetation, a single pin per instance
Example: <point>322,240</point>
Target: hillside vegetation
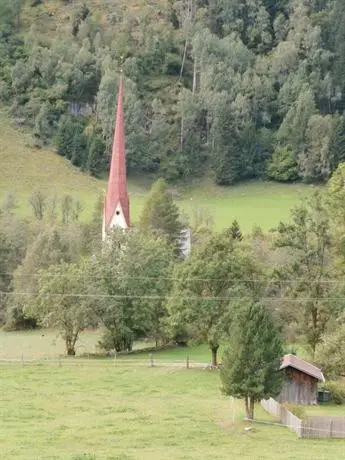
<point>236,89</point>
<point>25,169</point>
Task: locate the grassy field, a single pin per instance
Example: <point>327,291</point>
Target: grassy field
<point>45,344</point>
<point>24,169</point>
<point>118,410</point>
<point>329,409</point>
<point>105,412</point>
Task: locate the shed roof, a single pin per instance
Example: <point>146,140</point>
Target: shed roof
<point>301,365</point>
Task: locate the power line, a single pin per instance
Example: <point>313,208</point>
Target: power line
<point>168,297</point>
<point>249,280</point>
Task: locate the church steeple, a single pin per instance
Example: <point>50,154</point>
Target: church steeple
<point>116,205</point>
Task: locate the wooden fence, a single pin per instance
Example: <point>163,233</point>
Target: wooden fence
<point>285,417</point>
<point>123,360</point>
<point>324,427</point>
<point>312,427</point>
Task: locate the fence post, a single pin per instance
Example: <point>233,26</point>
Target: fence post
<point>151,360</point>
<point>59,360</point>
<point>22,359</point>
<point>187,362</point>
<point>330,428</point>
<point>115,358</point>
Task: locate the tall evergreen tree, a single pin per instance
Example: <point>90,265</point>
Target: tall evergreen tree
<point>250,366</point>
<point>97,158</point>
<point>235,231</point>
<point>160,214</point>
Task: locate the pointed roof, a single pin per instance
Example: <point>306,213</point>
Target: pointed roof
<point>301,365</point>
<point>117,184</point>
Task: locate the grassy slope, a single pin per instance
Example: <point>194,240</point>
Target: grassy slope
<point>23,169</point>
<point>120,410</point>
<point>118,413</point>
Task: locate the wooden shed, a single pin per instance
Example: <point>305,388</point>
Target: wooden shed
<point>300,381</point>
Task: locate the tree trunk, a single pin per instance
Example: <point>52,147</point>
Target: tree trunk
<point>70,341</point>
<point>214,350</point>
<point>246,405</point>
<point>194,76</point>
<point>249,407</point>
<point>70,351</point>
<point>183,58</point>
<point>181,133</point>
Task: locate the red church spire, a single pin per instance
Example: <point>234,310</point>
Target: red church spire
<point>116,206</point>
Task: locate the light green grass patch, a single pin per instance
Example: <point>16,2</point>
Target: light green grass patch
<point>332,410</point>
<point>136,413</point>
<point>24,169</point>
<point>42,344</point>
<point>47,344</point>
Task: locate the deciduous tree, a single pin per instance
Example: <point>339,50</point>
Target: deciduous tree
<point>308,242</point>
<point>62,302</point>
<point>207,285</point>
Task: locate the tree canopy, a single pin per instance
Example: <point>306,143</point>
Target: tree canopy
<point>234,89</point>
<point>250,365</point>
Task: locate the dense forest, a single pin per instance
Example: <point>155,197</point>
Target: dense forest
<point>237,89</point>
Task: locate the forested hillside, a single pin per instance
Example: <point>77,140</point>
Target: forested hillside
<point>233,88</point>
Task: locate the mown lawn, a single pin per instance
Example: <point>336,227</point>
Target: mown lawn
<point>24,169</point>
<point>47,344</point>
<point>103,412</point>
<point>329,409</point>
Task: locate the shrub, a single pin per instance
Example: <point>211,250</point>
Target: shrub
<point>282,167</point>
<point>296,409</point>
<point>337,389</point>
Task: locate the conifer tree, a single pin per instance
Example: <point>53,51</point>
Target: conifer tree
<point>160,214</point>
<point>96,161</point>
<point>235,231</point>
<point>250,366</point>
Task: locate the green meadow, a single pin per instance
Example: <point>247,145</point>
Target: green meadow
<point>99,411</point>
<point>123,409</point>
<point>24,169</point>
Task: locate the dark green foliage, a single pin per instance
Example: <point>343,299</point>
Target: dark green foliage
<point>208,85</point>
<point>337,389</point>
<point>71,140</point>
<point>14,235</point>
<point>97,156</point>
<point>250,366</point>
<point>51,245</point>
<point>118,339</point>
<point>79,17</point>
<point>207,286</point>
<point>138,279</point>
<point>283,166</point>
<point>338,146</point>
<point>308,240</point>
<point>160,214</point>
<point>235,231</point>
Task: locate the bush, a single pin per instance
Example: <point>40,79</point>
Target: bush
<point>282,167</point>
<point>337,389</point>
<point>295,409</point>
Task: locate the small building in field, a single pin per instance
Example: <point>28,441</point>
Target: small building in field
<point>300,381</point>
